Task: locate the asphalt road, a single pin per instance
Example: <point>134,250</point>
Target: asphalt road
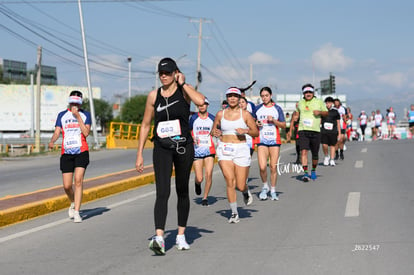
<point>356,218</point>
<point>27,174</point>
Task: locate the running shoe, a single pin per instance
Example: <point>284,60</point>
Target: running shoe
<point>305,177</point>
<point>197,188</point>
<point>313,175</point>
<point>273,196</point>
<point>326,161</point>
<point>76,217</point>
<point>181,243</point>
<point>234,218</point>
<point>204,202</point>
<point>71,212</point>
<point>247,197</point>
<point>332,162</point>
<point>341,155</point>
<point>157,245</point>
<point>263,194</point>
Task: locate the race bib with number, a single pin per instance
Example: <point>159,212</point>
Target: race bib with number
<point>269,132</point>
<point>328,125</point>
<point>70,142</point>
<point>228,149</point>
<point>203,141</point>
<point>169,128</point>
<point>308,122</point>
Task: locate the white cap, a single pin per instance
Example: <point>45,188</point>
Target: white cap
<point>233,90</point>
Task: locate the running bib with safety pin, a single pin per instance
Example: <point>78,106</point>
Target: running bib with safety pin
<point>70,142</point>
<point>169,128</point>
<point>308,122</point>
<point>328,125</point>
<point>228,149</point>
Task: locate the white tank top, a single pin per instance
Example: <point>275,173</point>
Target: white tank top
<point>228,127</point>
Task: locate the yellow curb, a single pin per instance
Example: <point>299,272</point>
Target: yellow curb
<point>35,209</point>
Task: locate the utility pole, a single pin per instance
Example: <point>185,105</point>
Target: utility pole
<point>38,99</point>
<point>200,37</point>
<point>129,77</point>
<point>251,80</point>
<point>88,78</point>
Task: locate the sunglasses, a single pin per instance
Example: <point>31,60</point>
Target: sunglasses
<point>307,92</point>
<point>165,73</point>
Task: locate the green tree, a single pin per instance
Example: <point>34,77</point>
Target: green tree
<point>132,111</point>
<point>103,112</point>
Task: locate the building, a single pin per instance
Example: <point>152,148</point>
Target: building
<point>16,72</point>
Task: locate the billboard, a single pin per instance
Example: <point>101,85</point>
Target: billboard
<point>18,103</point>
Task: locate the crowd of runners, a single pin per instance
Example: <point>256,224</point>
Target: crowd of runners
<point>184,141</point>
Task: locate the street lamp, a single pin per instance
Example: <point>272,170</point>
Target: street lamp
<point>129,77</point>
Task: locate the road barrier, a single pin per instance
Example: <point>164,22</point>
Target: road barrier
<point>125,136</point>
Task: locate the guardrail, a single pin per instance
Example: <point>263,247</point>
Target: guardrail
<point>125,135</point>
<point>10,144</point>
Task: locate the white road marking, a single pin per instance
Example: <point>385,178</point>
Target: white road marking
<point>359,164</point>
<point>364,150</point>
<point>352,204</point>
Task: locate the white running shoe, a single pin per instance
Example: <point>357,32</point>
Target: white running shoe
<point>263,194</point>
<point>234,218</point>
<point>332,162</point>
<point>157,245</point>
<point>344,147</point>
<point>273,196</point>
<point>76,217</point>
<point>181,243</point>
<point>71,212</point>
<point>326,161</point>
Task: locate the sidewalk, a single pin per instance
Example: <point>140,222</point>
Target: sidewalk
<point>22,207</point>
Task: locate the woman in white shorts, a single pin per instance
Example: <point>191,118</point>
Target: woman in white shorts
<point>231,125</point>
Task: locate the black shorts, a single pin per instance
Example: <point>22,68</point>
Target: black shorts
<point>411,124</point>
<point>208,156</point>
<point>329,138</point>
<point>310,140</point>
<point>68,163</point>
<point>343,131</point>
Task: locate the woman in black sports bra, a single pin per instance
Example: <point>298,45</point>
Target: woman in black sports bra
<point>173,145</point>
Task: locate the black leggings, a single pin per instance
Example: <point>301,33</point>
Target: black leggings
<point>163,160</point>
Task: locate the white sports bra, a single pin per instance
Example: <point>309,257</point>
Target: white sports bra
<point>228,127</point>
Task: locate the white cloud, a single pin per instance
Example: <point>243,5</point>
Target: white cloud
<point>396,80</point>
<point>330,59</point>
<point>262,59</point>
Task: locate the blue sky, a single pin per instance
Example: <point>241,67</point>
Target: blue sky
<point>366,44</point>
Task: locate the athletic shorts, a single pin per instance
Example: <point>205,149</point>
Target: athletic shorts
<point>329,138</point>
<point>239,153</point>
<point>268,145</point>
<point>377,126</point>
<point>203,157</point>
<point>411,124</point>
<point>343,131</point>
<point>68,163</point>
<point>310,140</point>
<point>391,123</point>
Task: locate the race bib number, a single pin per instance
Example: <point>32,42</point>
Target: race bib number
<point>228,149</point>
<point>204,141</point>
<point>412,118</point>
<point>308,122</point>
<point>169,128</point>
<point>328,126</point>
<point>269,132</point>
<point>70,142</point>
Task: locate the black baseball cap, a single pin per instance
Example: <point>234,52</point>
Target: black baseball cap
<point>167,64</point>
